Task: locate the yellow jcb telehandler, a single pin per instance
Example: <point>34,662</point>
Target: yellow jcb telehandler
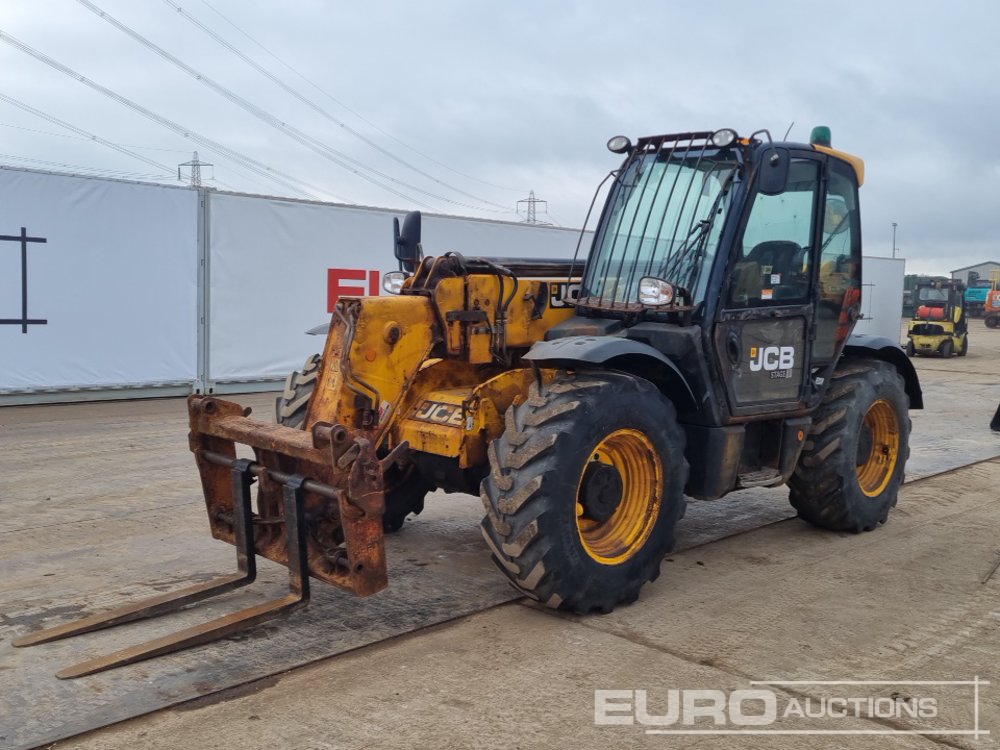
<point>704,346</point>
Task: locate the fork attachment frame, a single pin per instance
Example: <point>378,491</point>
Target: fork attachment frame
<point>242,471</point>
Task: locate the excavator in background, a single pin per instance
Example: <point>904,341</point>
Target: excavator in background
<point>704,346</point>
<point>977,292</point>
<point>991,309</point>
<point>939,325</point>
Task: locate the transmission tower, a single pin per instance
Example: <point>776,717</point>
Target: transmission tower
<point>531,212</point>
<point>196,166</point>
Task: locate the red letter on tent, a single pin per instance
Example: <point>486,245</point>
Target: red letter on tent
<point>335,287</point>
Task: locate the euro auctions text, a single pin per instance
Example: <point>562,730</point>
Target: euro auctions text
<point>823,707</point>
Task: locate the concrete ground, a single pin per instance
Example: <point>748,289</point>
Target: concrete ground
<point>772,601</point>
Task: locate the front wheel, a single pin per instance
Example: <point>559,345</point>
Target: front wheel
<point>851,467</point>
<point>585,489</point>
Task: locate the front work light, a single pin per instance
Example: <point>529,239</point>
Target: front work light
<point>723,138</point>
<point>392,282</point>
<point>619,144</point>
<point>656,292</point>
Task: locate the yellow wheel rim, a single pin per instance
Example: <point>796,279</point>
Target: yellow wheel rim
<point>619,537</point>
<point>877,463</point>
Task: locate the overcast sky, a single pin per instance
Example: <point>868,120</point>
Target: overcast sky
<point>462,107</point>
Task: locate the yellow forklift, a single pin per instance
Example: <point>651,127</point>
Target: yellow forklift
<point>939,324</point>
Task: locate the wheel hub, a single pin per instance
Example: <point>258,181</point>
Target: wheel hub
<point>878,448</point>
<point>865,443</point>
<point>601,491</point>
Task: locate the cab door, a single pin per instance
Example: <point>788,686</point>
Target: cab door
<point>764,325</point>
<point>838,292</point>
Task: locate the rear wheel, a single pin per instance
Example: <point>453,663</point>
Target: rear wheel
<point>405,489</point>
<point>963,349</point>
<point>911,350</point>
<point>851,467</point>
<point>991,321</point>
<point>947,348</point>
<point>585,489</point>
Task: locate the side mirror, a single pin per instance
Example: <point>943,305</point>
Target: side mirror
<point>773,169</point>
<point>406,243</point>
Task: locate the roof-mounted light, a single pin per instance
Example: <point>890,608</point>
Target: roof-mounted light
<point>620,144</point>
<point>820,136</point>
<point>655,292</point>
<point>723,138</point>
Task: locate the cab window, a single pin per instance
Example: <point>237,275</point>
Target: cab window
<point>773,264</point>
<point>839,259</point>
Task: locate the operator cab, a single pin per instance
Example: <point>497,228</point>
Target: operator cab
<point>738,258</point>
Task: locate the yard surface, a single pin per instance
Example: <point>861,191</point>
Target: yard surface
<point>102,502</point>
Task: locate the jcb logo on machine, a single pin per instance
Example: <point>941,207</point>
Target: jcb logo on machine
<point>777,360</point>
<point>439,413</point>
<point>560,292</point>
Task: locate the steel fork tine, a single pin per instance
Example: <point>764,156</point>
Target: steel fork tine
<point>171,602</point>
<point>228,624</point>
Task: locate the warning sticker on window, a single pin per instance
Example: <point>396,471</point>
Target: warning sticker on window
<point>767,294</point>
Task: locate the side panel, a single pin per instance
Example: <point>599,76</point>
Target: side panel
<point>459,422</point>
<point>881,296</point>
<point>110,279</point>
<point>769,365</point>
<point>372,354</point>
<point>278,266</point>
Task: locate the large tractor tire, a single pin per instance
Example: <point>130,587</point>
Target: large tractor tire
<point>291,406</point>
<point>405,489</point>
<point>992,320</point>
<point>585,490</point>
<point>852,464</point>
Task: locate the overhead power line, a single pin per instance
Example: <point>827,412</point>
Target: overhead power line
<point>275,175</point>
<point>83,133</point>
<point>328,152</point>
<point>315,145</point>
<point>82,138</point>
<point>94,171</point>
<point>354,112</point>
<point>315,107</point>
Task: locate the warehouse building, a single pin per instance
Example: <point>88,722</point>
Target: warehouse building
<point>986,270</point>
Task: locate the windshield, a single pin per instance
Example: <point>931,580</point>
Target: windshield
<point>664,217</point>
<point>929,294</point>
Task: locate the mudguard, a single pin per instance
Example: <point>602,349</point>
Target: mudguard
<point>880,347</point>
<point>613,351</point>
